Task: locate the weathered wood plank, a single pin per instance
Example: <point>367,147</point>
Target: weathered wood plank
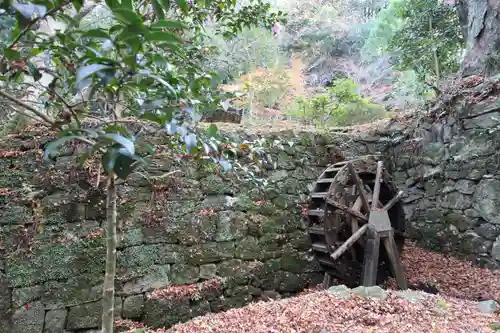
<point>378,183</point>
<point>359,185</point>
<point>395,259</point>
<point>349,242</point>
<point>370,264</point>
<point>393,201</point>
<point>346,209</point>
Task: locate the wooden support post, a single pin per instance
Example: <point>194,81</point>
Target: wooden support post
<point>327,281</point>
<point>370,264</point>
<point>376,188</point>
<point>350,241</point>
<point>394,258</point>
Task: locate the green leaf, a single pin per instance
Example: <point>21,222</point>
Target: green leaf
<point>34,72</point>
<point>163,36</point>
<point>12,54</point>
<point>165,4</point>
<point>212,130</point>
<point>127,4</point>
<point>84,72</point>
<point>109,160</point>
<point>96,33</point>
<point>30,11</point>
<point>123,141</point>
<point>78,4</point>
<point>149,149</point>
<point>52,146</point>
<point>123,166</point>
<point>183,5</point>
<point>160,14</point>
<point>116,128</point>
<point>168,25</point>
<point>127,16</point>
<point>165,83</point>
<point>113,4</point>
<point>191,142</point>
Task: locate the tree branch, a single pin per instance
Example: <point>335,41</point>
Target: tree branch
<point>27,107</point>
<point>32,22</point>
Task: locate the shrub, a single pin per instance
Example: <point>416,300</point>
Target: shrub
<point>339,105</point>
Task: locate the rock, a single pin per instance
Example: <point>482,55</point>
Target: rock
<point>495,251</point>
<point>375,292</point>
<point>237,271</point>
<point>340,291</point>
<point>133,307</point>
<point>486,200</point>
<point>488,230</point>
<point>156,277</point>
<point>166,311</point>
<point>153,254</point>
<point>84,316</point>
<point>184,274</point>
<point>22,296</point>
<point>455,200</point>
<point>75,291</point>
<point>226,303</point>
<point>30,320</point>
<point>462,222</point>
<point>410,295</point>
<point>55,321</point>
<point>270,295</point>
<point>465,186</point>
<point>292,261</point>
<point>208,271</point>
<point>209,252</point>
<point>487,306</point>
<point>231,226</point>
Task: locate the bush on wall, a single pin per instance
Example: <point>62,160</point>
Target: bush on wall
<point>339,105</point>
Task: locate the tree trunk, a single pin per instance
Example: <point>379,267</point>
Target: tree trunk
<point>480,20</point>
<point>108,296</point>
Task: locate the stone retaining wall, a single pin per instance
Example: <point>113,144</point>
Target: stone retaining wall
<point>202,242</point>
<point>207,242</point>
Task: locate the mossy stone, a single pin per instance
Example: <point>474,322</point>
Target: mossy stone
<point>151,254</point>
<point>184,274</point>
<point>133,307</point>
<point>85,316</point>
<point>209,252</point>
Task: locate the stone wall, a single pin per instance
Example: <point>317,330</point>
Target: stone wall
<point>448,164</point>
<point>194,242</point>
<point>200,241</point>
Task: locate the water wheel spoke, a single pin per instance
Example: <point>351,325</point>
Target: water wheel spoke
<point>349,242</point>
<point>359,185</point>
<point>378,183</point>
<point>393,201</point>
<point>347,209</point>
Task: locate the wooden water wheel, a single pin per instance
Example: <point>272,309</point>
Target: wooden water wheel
<point>354,209</point>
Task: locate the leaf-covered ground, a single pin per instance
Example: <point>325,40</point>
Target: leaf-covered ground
<point>453,310</point>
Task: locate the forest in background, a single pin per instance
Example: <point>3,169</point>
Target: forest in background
<point>334,63</point>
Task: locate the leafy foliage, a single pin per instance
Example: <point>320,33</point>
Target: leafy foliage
<point>424,35</point>
<point>339,105</point>
<point>143,65</point>
<point>251,49</point>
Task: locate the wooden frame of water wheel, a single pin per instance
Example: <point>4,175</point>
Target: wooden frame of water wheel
<point>354,209</point>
